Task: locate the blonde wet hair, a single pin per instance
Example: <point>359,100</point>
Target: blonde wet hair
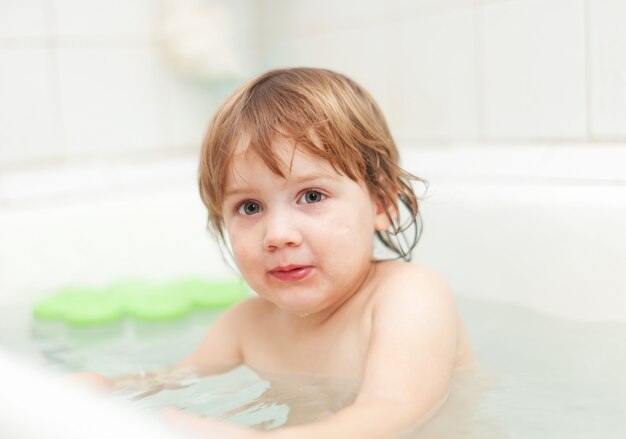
<point>322,113</point>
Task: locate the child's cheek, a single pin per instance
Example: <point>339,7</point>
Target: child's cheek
<point>241,251</point>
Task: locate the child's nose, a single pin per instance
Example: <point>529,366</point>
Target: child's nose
<point>281,231</point>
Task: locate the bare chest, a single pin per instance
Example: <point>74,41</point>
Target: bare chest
<point>336,349</point>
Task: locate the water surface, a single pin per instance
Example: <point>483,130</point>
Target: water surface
<point>537,377</point>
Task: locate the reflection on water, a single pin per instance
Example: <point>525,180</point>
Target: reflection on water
<point>538,376</point>
<point>248,398</point>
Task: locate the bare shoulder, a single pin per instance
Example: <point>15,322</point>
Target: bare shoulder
<point>416,340</point>
<point>410,282</point>
<point>411,296</point>
<point>247,313</point>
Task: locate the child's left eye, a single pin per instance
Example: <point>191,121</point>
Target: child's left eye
<point>311,196</point>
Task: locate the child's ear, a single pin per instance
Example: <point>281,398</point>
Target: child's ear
<point>382,220</point>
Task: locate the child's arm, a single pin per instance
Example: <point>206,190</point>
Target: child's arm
<point>220,349</point>
<point>219,352</point>
<point>409,366</point>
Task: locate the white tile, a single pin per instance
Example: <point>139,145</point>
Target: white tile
<point>187,111</point>
<point>111,100</point>
<point>356,52</point>
<point>106,17</point>
<point>412,8</point>
<point>326,15</point>
<point>533,70</point>
<point>278,53</point>
<point>30,127</point>
<point>304,33</point>
<point>24,18</point>
<point>302,51</point>
<point>274,28</point>
<point>607,36</point>
<point>432,73</point>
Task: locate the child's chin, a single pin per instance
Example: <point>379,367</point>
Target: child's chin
<point>296,299</point>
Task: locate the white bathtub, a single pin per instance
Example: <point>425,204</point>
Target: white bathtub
<point>544,227</point>
<point>540,226</point>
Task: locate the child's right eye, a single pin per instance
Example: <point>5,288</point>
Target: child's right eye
<point>249,208</point>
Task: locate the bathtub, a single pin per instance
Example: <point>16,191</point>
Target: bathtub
<point>542,227</point>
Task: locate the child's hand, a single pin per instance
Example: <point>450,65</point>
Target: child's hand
<point>93,380</point>
<point>207,426</point>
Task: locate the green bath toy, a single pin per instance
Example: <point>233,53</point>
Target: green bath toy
<point>157,305</point>
<point>83,306</point>
<point>97,309</point>
<point>79,306</point>
<point>210,295</point>
<point>53,308</point>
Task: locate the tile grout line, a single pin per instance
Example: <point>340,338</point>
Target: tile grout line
<point>54,78</point>
<point>588,70</point>
<point>478,69</point>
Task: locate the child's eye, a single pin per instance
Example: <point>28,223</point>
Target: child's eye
<point>249,208</point>
<point>311,196</point>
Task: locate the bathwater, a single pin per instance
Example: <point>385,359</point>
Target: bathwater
<point>537,376</point>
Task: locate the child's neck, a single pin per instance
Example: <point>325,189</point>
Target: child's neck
<point>328,314</point>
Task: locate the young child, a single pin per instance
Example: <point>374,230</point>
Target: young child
<point>300,175</point>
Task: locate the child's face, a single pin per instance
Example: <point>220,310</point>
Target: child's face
<point>304,242</point>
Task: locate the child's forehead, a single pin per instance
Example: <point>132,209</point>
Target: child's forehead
<point>294,162</point>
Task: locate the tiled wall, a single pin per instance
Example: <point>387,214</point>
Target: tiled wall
<point>493,71</point>
<point>90,79</point>
<point>93,79</point>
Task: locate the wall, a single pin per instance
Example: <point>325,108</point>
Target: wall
<point>98,79</point>
<point>91,80</point>
<point>488,71</point>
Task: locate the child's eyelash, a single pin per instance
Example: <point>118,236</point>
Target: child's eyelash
<point>319,193</point>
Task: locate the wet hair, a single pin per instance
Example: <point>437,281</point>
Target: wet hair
<point>325,114</point>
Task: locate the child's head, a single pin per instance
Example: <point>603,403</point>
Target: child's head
<point>322,113</point>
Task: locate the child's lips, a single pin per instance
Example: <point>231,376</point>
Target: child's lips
<point>291,273</point>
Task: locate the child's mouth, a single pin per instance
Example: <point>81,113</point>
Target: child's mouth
<point>291,273</point>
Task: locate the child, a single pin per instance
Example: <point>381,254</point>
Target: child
<point>299,174</point>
